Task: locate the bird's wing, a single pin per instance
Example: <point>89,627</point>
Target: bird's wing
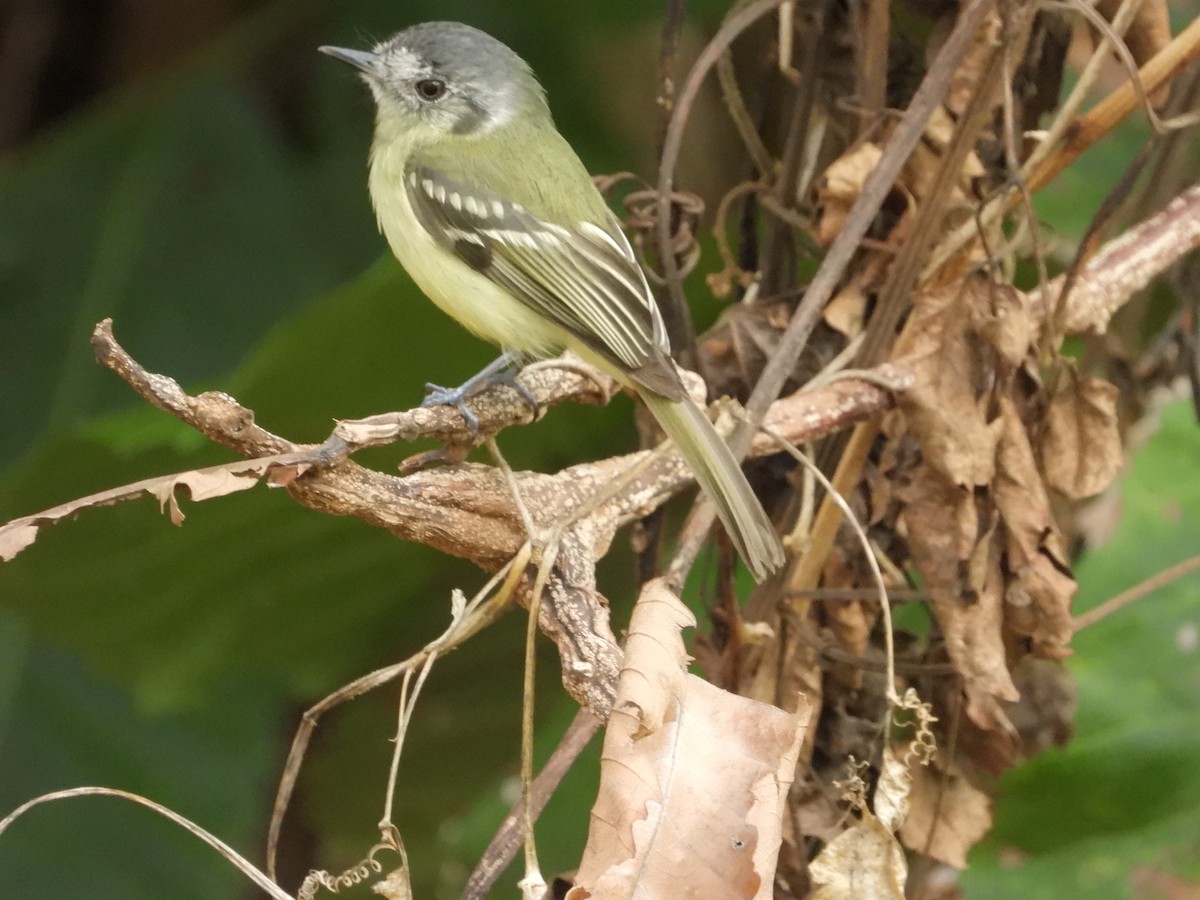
<point>584,278</point>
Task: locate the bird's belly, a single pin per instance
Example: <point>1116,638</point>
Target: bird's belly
<point>482,307</point>
<point>458,290</point>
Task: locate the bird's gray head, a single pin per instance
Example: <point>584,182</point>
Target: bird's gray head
<point>447,77</point>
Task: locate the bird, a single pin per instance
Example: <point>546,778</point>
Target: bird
<point>497,221</point>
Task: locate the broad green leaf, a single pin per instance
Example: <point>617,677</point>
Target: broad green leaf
<point>185,220</point>
<point>1126,791</point>
<point>78,729</point>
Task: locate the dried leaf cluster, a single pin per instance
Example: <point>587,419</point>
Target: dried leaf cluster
<point>968,488</point>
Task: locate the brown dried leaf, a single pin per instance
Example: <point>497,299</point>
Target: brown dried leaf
<point>693,779</point>
<point>893,790</point>
<point>969,74</point>
<point>840,187</point>
<point>948,815</point>
<point>1081,449</point>
<point>865,860</point>
<point>203,484</point>
<point>846,311</point>
<point>924,166</point>
<point>942,530</point>
<point>165,493</point>
<point>283,476</point>
<point>1007,319</point>
<point>995,746</point>
<point>944,407</point>
<point>1039,593</point>
<point>15,537</point>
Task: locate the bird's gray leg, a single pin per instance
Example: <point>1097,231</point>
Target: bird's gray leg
<point>502,371</point>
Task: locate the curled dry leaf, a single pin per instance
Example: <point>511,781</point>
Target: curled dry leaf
<point>15,537</point>
<point>839,188</point>
<point>693,779</point>
<point>1040,586</point>
<point>202,484</point>
<point>846,312</point>
<point>969,74</point>
<point>924,167</point>
<point>843,179</point>
<point>865,860</point>
<point>1081,449</point>
<point>946,408</point>
<point>976,513</point>
<point>1005,318</point>
<point>947,815</point>
<point>943,531</point>
<point>893,790</point>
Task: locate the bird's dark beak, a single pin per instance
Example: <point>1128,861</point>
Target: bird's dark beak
<point>363,60</point>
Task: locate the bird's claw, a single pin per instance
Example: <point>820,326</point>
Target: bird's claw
<point>502,371</point>
<point>436,395</point>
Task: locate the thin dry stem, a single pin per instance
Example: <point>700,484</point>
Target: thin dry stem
<point>508,838</point>
<point>872,563</point>
<point>1080,134</point>
<point>261,881</point>
<point>484,608</point>
<point>1137,592</point>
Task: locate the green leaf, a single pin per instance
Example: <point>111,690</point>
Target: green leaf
<point>181,219</point>
<point>1126,792</point>
<point>77,729</point>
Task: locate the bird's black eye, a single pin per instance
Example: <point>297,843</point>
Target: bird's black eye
<point>431,89</point>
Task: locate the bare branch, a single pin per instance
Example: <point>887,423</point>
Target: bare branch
<point>1155,582</point>
<point>466,509</point>
<point>1128,263</point>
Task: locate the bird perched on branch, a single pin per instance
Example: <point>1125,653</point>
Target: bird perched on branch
<point>497,221</point>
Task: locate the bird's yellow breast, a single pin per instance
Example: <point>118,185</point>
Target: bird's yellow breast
<point>463,293</point>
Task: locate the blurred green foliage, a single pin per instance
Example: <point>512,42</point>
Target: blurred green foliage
<point>237,251</point>
<point>1123,799</point>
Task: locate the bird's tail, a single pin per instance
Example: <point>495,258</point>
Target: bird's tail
<point>722,479</point>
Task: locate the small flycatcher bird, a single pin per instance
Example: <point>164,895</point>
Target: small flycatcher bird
<point>497,221</point>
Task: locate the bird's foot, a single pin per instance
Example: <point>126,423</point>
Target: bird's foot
<point>502,371</point>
